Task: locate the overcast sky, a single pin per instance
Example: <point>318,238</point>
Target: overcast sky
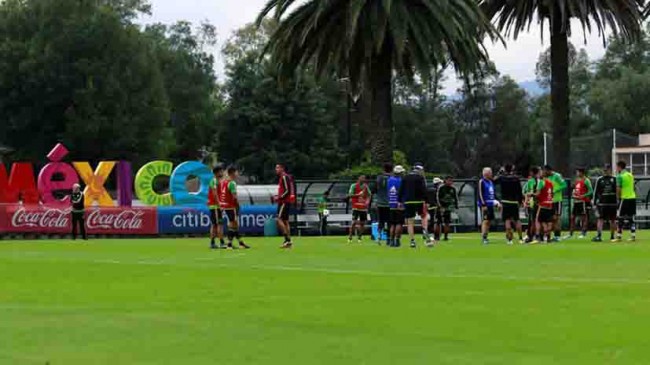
<point>517,60</point>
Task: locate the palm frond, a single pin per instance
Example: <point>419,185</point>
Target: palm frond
<point>621,17</point>
<point>348,34</point>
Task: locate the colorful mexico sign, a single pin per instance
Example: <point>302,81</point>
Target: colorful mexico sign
<point>30,205</point>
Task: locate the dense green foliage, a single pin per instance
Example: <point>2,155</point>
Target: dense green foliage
<point>85,74</point>
<point>369,41</point>
<point>622,17</point>
<point>266,122</point>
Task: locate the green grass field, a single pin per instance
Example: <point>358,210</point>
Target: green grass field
<point>172,301</point>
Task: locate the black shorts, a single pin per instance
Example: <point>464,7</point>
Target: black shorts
<point>487,214</point>
<point>383,215</point>
<point>432,213</point>
<point>359,215</point>
<point>581,208</point>
<point>283,212</point>
<point>607,212</point>
<point>216,216</point>
<point>397,217</point>
<point>557,209</point>
<point>627,208</point>
<point>413,209</point>
<point>232,215</point>
<point>532,213</point>
<point>545,215</point>
<point>510,212</point>
<point>443,216</point>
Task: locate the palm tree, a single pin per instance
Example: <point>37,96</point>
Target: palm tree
<point>368,40</point>
<point>622,17</point>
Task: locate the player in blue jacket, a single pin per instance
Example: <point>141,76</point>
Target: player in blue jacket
<point>396,206</point>
<point>487,202</point>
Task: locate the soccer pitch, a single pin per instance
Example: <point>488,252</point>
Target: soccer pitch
<point>173,301</point>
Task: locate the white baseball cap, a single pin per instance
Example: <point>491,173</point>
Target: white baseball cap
<point>399,169</point>
<point>437,180</point>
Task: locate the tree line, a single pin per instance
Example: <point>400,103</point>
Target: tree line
<point>86,74</point>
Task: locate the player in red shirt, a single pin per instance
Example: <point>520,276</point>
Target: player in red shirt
<point>545,211</point>
<point>216,215</point>
<point>285,198</point>
<point>582,193</point>
<point>230,205</point>
<point>359,194</point>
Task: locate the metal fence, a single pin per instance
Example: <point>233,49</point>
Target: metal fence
<point>467,218</point>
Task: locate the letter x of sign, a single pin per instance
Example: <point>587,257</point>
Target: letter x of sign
<point>95,182</point>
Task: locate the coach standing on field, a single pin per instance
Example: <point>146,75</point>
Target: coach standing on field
<point>78,212</point>
<point>413,192</point>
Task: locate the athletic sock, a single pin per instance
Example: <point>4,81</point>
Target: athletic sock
<point>222,241</point>
<point>287,238</point>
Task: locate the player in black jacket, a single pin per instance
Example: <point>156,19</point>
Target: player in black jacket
<point>78,211</point>
<point>432,203</point>
<point>447,202</point>
<point>413,193</point>
<point>606,202</point>
<point>512,199</point>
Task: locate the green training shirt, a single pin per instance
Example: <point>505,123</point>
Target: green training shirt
<point>625,181</point>
<point>559,185</point>
<point>531,188</point>
<point>322,204</point>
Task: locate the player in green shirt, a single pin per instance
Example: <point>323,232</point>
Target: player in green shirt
<point>530,190</point>
<point>322,210</point>
<point>559,186</point>
<point>627,201</point>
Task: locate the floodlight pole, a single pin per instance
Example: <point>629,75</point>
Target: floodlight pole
<point>545,150</point>
<point>613,148</point>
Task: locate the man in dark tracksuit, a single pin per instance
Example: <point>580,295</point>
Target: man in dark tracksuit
<point>78,211</point>
<point>432,202</point>
<point>512,198</point>
<point>447,201</point>
<point>413,192</point>
<point>383,206</point>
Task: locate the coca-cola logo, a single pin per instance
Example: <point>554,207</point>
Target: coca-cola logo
<point>124,220</point>
<point>47,218</point>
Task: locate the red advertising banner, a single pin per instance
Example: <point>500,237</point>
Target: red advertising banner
<point>122,220</point>
<point>16,218</point>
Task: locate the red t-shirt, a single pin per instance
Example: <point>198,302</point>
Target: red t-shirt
<point>213,192</point>
<point>545,197</point>
<point>580,190</point>
<point>227,199</point>
<point>360,197</point>
<point>286,193</point>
